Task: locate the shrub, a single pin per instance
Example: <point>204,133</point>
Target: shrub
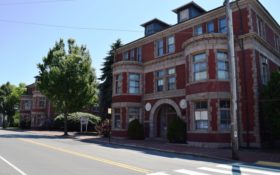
<point>136,130</point>
<point>176,131</point>
<point>25,124</point>
<point>103,128</point>
<point>16,120</point>
<point>73,121</point>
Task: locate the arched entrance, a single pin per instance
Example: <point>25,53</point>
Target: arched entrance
<point>164,116</point>
<point>159,116</point>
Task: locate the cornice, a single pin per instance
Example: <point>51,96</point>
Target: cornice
<point>212,14</point>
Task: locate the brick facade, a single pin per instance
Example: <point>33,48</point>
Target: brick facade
<point>35,108</point>
<point>199,82</point>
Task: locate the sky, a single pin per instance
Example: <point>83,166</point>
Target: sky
<point>29,28</point>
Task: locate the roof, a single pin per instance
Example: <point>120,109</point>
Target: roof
<point>188,5</point>
<point>206,12</point>
<point>31,85</point>
<point>155,20</point>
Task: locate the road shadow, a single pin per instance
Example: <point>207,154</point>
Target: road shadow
<point>21,134</point>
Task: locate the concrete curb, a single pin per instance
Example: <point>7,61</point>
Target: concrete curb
<point>162,150</point>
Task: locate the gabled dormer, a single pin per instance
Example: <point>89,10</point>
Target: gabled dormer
<point>154,26</point>
<point>188,11</point>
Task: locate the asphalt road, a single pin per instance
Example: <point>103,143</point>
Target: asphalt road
<point>31,154</point>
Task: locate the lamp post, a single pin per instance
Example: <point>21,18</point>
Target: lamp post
<point>109,118</point>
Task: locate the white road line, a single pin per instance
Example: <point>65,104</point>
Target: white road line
<point>218,170</point>
<point>249,170</point>
<point>158,173</point>
<point>13,166</point>
<point>183,171</point>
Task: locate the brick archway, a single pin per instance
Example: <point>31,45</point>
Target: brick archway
<point>154,109</point>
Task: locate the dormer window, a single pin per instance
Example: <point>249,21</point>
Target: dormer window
<point>184,15</point>
<point>149,29</point>
<point>188,11</point>
<point>154,26</point>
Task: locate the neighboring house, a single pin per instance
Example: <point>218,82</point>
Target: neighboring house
<point>183,70</point>
<point>35,108</point>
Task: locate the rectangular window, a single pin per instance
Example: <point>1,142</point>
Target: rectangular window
<point>225,114</point>
<point>171,79</point>
<point>134,83</point>
<point>198,30</point>
<point>125,56</point>
<point>149,29</point>
<point>27,105</point>
<point>171,83</point>
<point>159,47</point>
<point>132,56</point>
<point>210,27</point>
<point>184,15</point>
<point>171,71</point>
<point>139,54</point>
<point>200,67</point>
<point>118,84</point>
<point>160,85</point>
<point>222,65</point>
<point>117,118</point>
<point>260,27</point>
<point>160,73</point>
<point>170,44</point>
<point>201,115</point>
<point>42,102</point>
<point>133,113</point>
<point>264,70</point>
<point>159,82</point>
<point>276,42</point>
<point>223,25</point>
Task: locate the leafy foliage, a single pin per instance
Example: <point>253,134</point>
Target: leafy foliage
<point>176,131</point>
<point>136,130</point>
<point>73,121</point>
<point>271,107</point>
<point>9,101</point>
<point>67,79</point>
<point>105,88</point>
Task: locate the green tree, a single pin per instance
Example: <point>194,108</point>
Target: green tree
<point>271,106</point>
<point>105,88</point>
<point>67,79</point>
<point>9,101</point>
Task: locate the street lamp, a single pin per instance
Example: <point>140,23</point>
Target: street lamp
<point>109,111</point>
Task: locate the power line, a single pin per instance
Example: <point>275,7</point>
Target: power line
<point>33,2</point>
<point>68,27</point>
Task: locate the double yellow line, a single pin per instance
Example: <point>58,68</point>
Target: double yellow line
<point>98,159</point>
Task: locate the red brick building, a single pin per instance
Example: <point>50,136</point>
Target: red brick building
<point>183,70</point>
<point>35,108</point>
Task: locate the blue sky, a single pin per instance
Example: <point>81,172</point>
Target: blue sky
<point>22,45</point>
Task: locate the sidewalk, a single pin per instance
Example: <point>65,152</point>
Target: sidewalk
<point>263,157</point>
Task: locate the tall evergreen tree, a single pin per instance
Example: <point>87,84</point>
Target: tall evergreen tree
<point>105,87</point>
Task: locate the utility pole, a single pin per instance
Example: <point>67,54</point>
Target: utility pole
<point>231,54</point>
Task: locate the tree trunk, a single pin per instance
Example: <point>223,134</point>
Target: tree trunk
<point>65,124</point>
<point>4,122</point>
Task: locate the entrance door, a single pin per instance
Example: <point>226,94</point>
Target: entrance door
<point>165,115</point>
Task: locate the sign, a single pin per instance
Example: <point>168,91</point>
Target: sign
<point>84,121</point>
